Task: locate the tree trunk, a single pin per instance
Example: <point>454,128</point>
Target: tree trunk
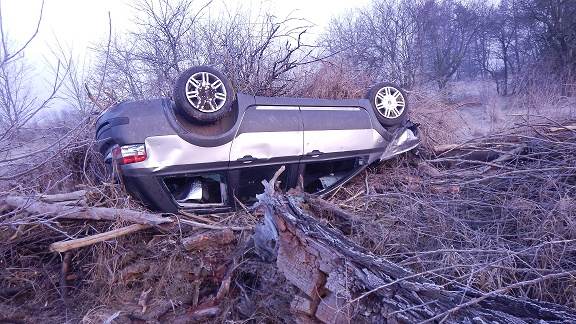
<point>341,282</point>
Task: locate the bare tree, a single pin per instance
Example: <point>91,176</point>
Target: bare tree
<point>449,29</point>
<point>383,38</point>
<point>408,42</point>
<point>258,52</point>
<point>499,27</point>
<point>17,104</point>
<point>552,27</point>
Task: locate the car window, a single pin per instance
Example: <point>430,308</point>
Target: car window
<point>323,175</point>
<point>203,190</point>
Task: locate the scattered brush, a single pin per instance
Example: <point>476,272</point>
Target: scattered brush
<point>495,213</point>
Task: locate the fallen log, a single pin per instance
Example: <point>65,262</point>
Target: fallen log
<point>342,282</point>
<point>33,206</point>
<point>64,246</point>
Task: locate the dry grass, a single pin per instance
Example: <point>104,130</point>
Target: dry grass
<point>335,80</point>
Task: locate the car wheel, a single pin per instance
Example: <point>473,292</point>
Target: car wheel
<point>203,94</point>
<point>389,103</point>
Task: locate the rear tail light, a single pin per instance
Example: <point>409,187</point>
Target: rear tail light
<point>129,153</point>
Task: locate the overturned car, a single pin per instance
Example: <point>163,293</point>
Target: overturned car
<point>209,148</point>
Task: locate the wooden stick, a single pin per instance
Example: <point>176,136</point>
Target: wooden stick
<point>64,246</point>
<point>563,128</point>
<point>214,227</point>
<point>197,218</point>
<point>446,147</point>
<point>69,196</point>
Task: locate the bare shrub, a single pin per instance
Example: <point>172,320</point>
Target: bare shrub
<point>541,94</point>
<point>441,121</point>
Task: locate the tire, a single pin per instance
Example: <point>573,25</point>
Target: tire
<point>389,103</point>
<point>203,94</point>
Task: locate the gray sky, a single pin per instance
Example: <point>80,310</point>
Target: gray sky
<point>78,24</point>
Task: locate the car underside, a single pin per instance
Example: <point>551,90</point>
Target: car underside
<point>172,161</point>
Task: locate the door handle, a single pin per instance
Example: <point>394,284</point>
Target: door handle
<point>247,159</point>
<point>314,154</point>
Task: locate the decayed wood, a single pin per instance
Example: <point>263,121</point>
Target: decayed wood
<point>64,246</point>
<point>34,206</point>
<point>342,282</point>
<point>209,238</point>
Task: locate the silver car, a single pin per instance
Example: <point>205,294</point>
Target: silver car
<point>209,148</point>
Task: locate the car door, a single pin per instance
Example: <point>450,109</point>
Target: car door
<point>268,137</point>
<point>337,142</point>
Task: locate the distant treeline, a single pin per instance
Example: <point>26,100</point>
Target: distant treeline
<point>412,42</point>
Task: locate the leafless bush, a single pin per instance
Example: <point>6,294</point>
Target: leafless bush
<point>440,119</point>
<point>541,93</point>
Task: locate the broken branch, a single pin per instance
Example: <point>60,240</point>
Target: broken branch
<point>33,206</point>
<point>64,246</point>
